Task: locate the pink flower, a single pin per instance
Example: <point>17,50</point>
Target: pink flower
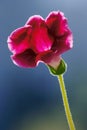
<point>41,40</point>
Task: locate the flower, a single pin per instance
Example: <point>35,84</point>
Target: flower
<point>41,40</point>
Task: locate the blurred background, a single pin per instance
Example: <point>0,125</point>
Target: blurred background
<point>30,99</point>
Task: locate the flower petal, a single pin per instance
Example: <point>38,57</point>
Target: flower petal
<point>35,20</point>
<point>41,39</point>
<point>63,43</point>
<point>56,23</point>
<point>26,59</point>
<point>19,40</point>
<point>50,58</point>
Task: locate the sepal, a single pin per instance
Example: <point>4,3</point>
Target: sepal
<point>61,69</point>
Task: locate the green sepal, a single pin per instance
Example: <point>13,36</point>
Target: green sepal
<point>60,70</point>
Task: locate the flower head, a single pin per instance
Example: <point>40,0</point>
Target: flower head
<point>41,40</point>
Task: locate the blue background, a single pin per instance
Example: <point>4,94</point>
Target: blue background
<point>30,99</point>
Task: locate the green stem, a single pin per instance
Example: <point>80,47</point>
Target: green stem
<point>66,104</point>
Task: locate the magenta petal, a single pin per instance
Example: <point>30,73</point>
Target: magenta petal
<point>41,39</point>
<point>56,23</point>
<point>50,58</point>
<point>26,59</point>
<point>63,43</point>
<point>47,56</point>
<point>19,40</point>
<point>35,20</point>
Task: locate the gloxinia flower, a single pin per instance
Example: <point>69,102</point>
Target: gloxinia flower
<point>41,40</point>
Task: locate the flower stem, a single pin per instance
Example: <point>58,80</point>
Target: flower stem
<point>65,102</point>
